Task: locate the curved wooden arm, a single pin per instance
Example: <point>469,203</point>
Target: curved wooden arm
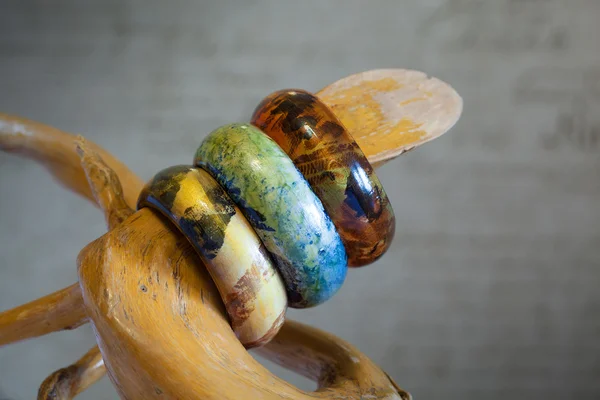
<point>66,383</point>
<point>56,150</point>
<point>61,310</point>
<point>159,321</point>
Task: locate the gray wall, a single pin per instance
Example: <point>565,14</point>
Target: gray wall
<point>491,288</point>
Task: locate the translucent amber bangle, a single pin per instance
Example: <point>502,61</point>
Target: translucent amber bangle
<point>336,168</point>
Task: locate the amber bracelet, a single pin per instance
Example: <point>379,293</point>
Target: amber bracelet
<point>336,168</point>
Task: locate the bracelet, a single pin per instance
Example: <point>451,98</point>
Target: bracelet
<point>277,210</point>
<point>280,205</point>
<point>252,290</point>
<point>336,168</point>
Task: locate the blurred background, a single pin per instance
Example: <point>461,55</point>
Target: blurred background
<point>491,288</point>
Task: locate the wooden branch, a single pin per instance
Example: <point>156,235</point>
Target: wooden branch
<point>330,361</point>
<point>66,383</point>
<point>58,311</point>
<point>392,111</point>
<point>64,309</point>
<point>55,150</point>
<point>158,319</point>
<point>104,184</point>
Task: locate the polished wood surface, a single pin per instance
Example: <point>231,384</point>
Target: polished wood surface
<point>61,310</point>
<point>391,111</point>
<point>153,341</point>
<point>66,383</point>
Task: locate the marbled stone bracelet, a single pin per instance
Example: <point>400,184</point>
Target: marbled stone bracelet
<point>280,205</point>
<point>252,290</point>
<point>336,168</point>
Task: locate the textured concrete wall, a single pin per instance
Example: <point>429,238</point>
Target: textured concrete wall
<point>491,288</point>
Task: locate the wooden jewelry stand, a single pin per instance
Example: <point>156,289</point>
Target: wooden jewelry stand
<point>160,325</point>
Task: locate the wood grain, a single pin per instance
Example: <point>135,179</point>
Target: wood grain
<point>157,316</point>
<point>61,310</point>
<point>392,111</point>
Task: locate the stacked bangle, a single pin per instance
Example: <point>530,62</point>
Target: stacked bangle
<point>277,210</point>
<point>278,202</point>
<point>251,288</point>
<point>336,168</point>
